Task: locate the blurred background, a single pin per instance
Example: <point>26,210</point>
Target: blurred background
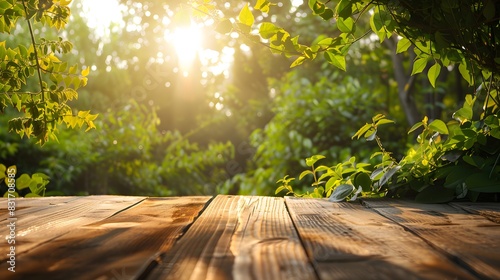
<point>184,110</point>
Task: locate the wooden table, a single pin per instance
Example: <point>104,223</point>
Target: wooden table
<point>247,237</point>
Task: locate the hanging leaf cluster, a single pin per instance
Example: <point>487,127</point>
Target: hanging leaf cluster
<point>43,110</point>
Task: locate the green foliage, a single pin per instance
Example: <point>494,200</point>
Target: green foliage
<point>450,161</point>
<point>349,179</point>
<point>31,186</point>
<point>332,104</point>
<point>129,155</point>
<point>43,109</point>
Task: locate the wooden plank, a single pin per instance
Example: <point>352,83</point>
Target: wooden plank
<point>348,241</point>
<point>468,239</point>
<point>238,237</point>
<point>25,206</point>
<point>121,246</point>
<point>491,211</point>
<point>42,219</point>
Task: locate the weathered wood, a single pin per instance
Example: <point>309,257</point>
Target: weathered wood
<point>25,206</point>
<point>43,219</point>
<point>238,237</point>
<point>491,211</point>
<point>348,241</point>
<point>243,237</point>
<point>118,247</point>
<point>468,239</point>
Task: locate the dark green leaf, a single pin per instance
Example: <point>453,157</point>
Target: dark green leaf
<point>363,180</point>
<point>435,194</point>
<point>341,192</point>
<point>480,182</point>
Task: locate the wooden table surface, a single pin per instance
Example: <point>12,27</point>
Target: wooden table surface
<point>247,237</point>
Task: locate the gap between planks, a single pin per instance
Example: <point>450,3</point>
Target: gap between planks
<point>465,237</point>
<point>341,238</point>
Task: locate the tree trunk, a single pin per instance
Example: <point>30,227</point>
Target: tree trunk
<point>405,84</point>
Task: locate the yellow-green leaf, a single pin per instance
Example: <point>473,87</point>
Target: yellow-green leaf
<point>268,30</point>
<point>86,71</point>
<point>298,61</point>
<point>246,16</point>
<point>23,181</point>
<point>439,126</point>
<point>403,45</point>
<point>419,65</point>
<point>336,60</point>
<point>345,25</point>
<point>262,5</point>
<point>433,74</point>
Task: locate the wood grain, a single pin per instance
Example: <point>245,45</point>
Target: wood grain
<point>40,220</point>
<point>238,238</point>
<point>468,239</point>
<point>348,241</point>
<point>118,247</point>
<point>491,211</point>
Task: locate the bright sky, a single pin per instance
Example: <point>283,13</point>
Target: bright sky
<point>100,15</point>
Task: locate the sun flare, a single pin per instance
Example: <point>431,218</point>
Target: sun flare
<point>187,42</point>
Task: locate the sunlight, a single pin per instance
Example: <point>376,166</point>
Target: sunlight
<point>187,43</point>
<point>101,14</point>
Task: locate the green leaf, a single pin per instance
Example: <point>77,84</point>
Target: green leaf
<point>463,114</point>
<point>298,61</point>
<point>462,68</point>
<point>336,60</point>
<point>312,160</point>
<point>363,180</point>
<point>317,7</point>
<point>403,45</point>
<point>7,194</point>
<point>23,181</point>
<point>415,127</point>
<point>433,74</point>
<point>457,176</point>
<point>378,117</point>
<point>304,173</point>
<point>419,65</point>
<point>268,30</point>
<point>246,16</point>
<point>435,194</point>
<point>345,25</point>
<point>341,192</point>
<point>480,182</point>
<point>362,131</point>
<point>439,126</point>
<point>2,171</point>
<point>383,121</point>
<point>371,134</point>
<point>12,169</point>
<point>262,5</point>
<point>344,9</point>
<point>327,14</point>
<point>388,175</point>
